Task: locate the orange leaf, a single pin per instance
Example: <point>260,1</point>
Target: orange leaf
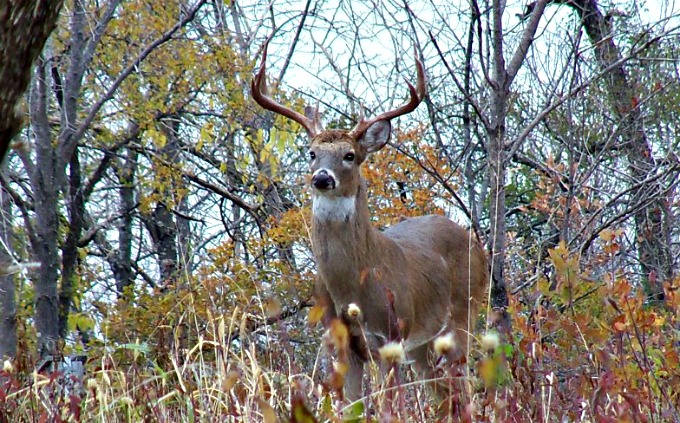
<point>619,323</point>
<point>272,307</point>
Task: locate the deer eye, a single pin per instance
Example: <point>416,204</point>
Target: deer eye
<point>349,157</point>
<point>312,155</point>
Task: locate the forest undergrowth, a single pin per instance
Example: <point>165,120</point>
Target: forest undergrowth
<point>581,350</point>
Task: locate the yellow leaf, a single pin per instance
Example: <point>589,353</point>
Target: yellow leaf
<point>316,314</point>
<point>230,380</point>
<point>272,307</point>
<point>158,138</point>
<point>341,368</point>
<point>488,371</point>
<point>659,320</point>
<point>337,380</point>
<point>268,413</point>
<point>607,235</point>
<point>544,286</point>
<point>199,143</point>
<point>558,255</point>
<point>339,334</point>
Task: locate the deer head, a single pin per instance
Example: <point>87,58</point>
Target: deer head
<point>415,281</point>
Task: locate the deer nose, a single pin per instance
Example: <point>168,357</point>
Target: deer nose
<point>322,180</point>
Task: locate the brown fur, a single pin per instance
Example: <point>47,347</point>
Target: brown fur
<point>416,280</point>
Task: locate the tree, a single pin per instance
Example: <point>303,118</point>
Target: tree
<point>500,83</point>
<point>23,33</point>
<point>25,27</point>
<point>8,307</point>
<point>55,168</point>
<point>652,213</point>
<point>168,219</point>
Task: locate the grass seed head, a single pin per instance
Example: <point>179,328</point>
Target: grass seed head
<point>444,344</point>
<point>392,353</point>
<point>353,311</point>
<point>490,341</point>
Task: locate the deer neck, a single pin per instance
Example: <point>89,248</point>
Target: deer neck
<point>343,241</point>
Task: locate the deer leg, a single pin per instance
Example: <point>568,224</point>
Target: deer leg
<point>443,379</point>
<point>424,366</point>
<point>354,378</point>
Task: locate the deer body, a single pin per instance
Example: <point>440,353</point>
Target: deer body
<point>421,278</point>
<point>414,261</point>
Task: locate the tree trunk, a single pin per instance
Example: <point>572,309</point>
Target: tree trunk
<point>121,265</point>
<point>160,222</point>
<point>69,254</point>
<point>45,182</point>
<point>25,25</point>
<point>8,306</point>
<point>496,163</point>
<point>49,180</point>
<point>652,233</point>
<point>501,79</point>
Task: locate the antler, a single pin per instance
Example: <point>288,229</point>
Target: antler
<point>258,89</point>
<point>417,95</point>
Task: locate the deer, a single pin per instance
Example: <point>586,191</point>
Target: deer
<point>419,279</point>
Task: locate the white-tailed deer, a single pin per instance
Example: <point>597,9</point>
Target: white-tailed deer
<point>415,281</point>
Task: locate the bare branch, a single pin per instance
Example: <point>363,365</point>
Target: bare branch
<point>67,148</point>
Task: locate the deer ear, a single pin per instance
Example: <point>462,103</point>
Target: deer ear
<point>376,136</point>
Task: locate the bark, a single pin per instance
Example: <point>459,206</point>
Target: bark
<point>49,179</point>
<point>161,227</point>
<point>25,26</point>
<point>500,81</point>
<point>67,93</point>
<point>45,183</point>
<point>467,122</point>
<point>160,223</point>
<point>121,265</point>
<point>8,307</point>
<point>652,231</point>
<point>496,163</point>
<point>69,266</point>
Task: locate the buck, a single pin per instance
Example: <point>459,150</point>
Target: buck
<point>413,282</point>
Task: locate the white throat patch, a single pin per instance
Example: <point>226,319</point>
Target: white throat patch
<point>333,208</point>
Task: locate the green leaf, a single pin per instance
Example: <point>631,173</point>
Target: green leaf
<point>354,413</point>
<point>80,321</point>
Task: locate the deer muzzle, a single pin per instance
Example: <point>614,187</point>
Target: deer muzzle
<point>323,180</point>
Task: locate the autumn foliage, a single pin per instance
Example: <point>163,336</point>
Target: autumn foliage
<point>220,344</point>
<point>180,247</point>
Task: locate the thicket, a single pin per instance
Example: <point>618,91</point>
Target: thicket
<point>155,261</point>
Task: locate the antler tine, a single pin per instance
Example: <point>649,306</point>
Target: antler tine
<point>417,95</point>
<point>258,89</point>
